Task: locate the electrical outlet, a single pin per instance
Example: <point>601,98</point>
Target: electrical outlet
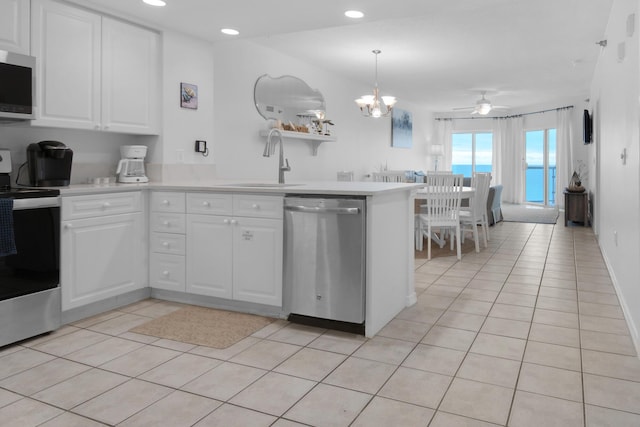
<point>179,156</point>
<point>201,146</point>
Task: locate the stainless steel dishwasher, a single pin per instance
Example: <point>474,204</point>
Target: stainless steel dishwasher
<point>324,261</point>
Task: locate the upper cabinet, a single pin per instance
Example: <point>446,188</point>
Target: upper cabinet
<point>14,26</point>
<point>130,83</point>
<point>94,72</point>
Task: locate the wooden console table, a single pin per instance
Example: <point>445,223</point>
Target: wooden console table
<point>576,207</point>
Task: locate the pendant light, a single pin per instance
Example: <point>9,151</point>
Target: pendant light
<point>376,105</point>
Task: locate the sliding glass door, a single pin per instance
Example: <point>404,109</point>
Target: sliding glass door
<point>540,178</point>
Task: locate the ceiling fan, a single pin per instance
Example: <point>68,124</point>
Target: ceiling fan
<point>483,106</point>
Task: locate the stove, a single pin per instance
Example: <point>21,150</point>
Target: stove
<point>30,296</point>
<point>27,193</point>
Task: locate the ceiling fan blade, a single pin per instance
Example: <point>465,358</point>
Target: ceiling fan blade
<point>464,108</point>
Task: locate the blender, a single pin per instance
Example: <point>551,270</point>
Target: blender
<point>131,166</point>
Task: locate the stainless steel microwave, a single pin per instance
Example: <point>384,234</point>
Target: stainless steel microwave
<point>17,86</point>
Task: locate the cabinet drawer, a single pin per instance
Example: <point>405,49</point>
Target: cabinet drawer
<point>167,272</point>
<point>165,201</point>
<point>257,206</point>
<point>75,207</point>
<point>209,203</point>
<point>168,222</point>
<point>168,243</point>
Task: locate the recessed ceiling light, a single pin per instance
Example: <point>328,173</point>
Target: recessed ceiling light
<point>230,31</point>
<point>155,2</point>
<point>355,14</point>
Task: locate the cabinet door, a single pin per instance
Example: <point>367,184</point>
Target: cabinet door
<point>209,255</point>
<point>66,42</point>
<point>14,26</point>
<point>131,66</point>
<point>101,257</point>
<point>257,260</point>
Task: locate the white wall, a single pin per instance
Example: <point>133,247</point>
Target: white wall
<point>186,60</point>
<point>363,144</point>
<point>614,99</point>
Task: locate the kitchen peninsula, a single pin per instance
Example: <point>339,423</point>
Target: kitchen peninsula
<point>184,216</point>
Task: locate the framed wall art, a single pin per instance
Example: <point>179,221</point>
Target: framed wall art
<point>401,128</point>
<point>189,96</point>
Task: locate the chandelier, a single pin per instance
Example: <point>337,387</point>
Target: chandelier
<point>376,105</point>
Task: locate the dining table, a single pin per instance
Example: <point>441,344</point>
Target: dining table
<point>423,193</point>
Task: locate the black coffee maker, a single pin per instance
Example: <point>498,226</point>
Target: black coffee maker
<point>49,164</point>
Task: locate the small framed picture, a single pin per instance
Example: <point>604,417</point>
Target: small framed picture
<point>188,96</point>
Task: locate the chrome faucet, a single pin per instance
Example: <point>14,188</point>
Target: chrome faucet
<point>269,149</point>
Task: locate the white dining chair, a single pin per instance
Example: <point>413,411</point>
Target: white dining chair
<point>476,214</point>
<point>441,210</point>
<point>390,176</point>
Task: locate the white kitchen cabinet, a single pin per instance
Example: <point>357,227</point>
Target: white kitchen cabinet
<point>94,72</point>
<point>14,26</point>
<point>167,267</point>
<point>102,253</point>
<point>210,255</point>
<point>130,83</point>
<point>234,248</point>
<point>257,260</point>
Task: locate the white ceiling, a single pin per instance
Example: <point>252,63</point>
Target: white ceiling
<point>438,53</point>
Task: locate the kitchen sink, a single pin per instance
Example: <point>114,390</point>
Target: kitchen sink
<point>260,184</point>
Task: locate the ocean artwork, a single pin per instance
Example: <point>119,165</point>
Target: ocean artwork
<point>401,128</point>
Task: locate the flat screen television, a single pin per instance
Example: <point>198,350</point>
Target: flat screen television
<point>587,127</point>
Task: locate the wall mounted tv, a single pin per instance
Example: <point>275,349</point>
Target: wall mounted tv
<point>587,127</point>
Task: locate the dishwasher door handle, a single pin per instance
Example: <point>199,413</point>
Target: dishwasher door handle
<point>310,209</point>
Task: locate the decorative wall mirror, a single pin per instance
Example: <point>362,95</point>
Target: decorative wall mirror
<point>286,98</point>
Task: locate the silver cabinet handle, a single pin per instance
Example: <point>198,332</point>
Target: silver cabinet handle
<point>309,209</point>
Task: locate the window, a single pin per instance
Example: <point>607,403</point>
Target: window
<point>540,179</point>
<point>471,152</point>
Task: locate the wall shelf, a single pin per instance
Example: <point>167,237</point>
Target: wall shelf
<point>314,138</point>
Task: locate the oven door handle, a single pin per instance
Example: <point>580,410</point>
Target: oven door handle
<point>36,203</point>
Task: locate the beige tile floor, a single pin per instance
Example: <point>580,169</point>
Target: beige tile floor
<point>528,332</point>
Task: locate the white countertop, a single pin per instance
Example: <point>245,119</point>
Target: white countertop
<point>353,188</point>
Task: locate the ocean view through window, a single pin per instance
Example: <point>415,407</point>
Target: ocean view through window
<point>471,152</point>
<point>540,178</point>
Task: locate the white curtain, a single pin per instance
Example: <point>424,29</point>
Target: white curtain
<point>564,150</point>
<point>513,161</point>
<point>443,136</point>
<point>499,129</point>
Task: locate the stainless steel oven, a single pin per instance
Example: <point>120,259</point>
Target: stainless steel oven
<point>30,277</point>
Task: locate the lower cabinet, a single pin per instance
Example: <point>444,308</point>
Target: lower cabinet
<point>101,257</point>
<point>237,258</point>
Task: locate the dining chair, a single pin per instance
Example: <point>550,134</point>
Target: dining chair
<point>441,210</point>
<point>390,176</point>
<point>476,213</point>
